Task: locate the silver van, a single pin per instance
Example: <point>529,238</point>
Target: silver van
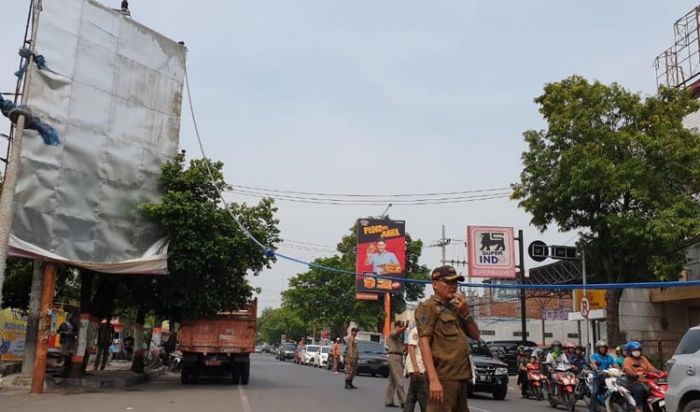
<point>683,393</point>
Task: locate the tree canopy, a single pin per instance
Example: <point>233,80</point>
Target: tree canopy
<point>621,169</point>
<point>210,256</point>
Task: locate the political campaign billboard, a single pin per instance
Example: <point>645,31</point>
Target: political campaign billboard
<point>381,250</point>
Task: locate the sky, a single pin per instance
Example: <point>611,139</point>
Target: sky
<point>384,97</point>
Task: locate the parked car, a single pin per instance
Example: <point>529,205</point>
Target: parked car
<point>267,349</point>
<point>508,350</point>
<point>321,357</point>
<point>683,394</point>
<point>341,360</point>
<point>490,373</point>
<point>286,351</point>
<point>372,359</point>
<point>309,353</point>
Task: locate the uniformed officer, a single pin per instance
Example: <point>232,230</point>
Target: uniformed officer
<point>394,343</point>
<point>351,356</point>
<point>444,322</point>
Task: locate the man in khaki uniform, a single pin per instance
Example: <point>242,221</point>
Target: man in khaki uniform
<point>351,356</point>
<point>444,322</point>
<point>394,343</point>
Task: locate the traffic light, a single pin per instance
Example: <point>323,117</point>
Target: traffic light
<point>563,252</point>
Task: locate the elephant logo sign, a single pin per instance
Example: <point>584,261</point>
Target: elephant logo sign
<point>493,239</point>
<point>491,252</point>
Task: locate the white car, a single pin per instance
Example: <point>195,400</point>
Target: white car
<point>321,357</point>
<point>309,354</point>
<point>684,374</point>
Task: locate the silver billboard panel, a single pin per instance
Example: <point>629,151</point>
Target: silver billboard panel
<point>113,92</point>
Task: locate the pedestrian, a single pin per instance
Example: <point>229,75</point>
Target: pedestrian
<point>418,385</point>
<point>351,356</point>
<point>444,323</point>
<point>66,332</point>
<point>394,343</point>
<point>336,355</point>
<point>105,335</point>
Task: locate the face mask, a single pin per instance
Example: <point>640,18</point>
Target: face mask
<point>636,353</point>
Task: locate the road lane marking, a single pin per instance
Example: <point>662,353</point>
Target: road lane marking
<point>478,409</point>
<point>244,399</point>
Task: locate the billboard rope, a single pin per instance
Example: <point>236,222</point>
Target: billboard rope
<point>271,252</point>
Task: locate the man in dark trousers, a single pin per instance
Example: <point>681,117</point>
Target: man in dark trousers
<point>351,356</point>
<point>66,332</point>
<point>105,335</point>
<point>444,323</point>
<point>394,343</point>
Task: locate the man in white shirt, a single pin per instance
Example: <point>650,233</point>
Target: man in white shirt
<point>415,369</point>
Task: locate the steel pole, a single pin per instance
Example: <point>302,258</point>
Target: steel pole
<point>521,266</point>
<point>387,315</point>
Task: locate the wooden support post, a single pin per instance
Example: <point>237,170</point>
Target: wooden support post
<point>42,339</point>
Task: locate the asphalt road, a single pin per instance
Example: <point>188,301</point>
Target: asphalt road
<point>274,387</point>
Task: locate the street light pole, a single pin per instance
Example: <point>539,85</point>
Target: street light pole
<point>521,276</point>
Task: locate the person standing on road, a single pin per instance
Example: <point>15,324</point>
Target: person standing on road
<point>105,335</point>
<point>336,355</point>
<point>66,332</point>
<point>418,386</point>
<point>351,356</point>
<point>444,323</point>
<point>395,344</point>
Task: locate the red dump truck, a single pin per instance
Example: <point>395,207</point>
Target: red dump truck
<point>219,345</point>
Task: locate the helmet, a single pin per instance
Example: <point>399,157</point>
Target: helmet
<point>556,343</point>
<point>602,343</point>
<point>528,349</point>
<point>633,345</point>
<point>534,354</point>
<point>570,345</point>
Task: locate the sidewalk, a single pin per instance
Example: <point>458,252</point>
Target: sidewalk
<point>117,374</point>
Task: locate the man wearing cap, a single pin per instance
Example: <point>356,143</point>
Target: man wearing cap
<point>444,322</point>
<point>351,356</point>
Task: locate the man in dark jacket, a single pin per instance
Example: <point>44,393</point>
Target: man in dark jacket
<point>105,335</point>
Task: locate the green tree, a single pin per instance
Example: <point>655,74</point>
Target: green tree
<point>621,169</point>
<point>326,298</point>
<point>273,323</point>
<point>210,256</point>
<point>17,283</point>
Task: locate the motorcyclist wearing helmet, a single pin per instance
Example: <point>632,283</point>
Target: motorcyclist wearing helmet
<point>522,362</point>
<point>636,366</point>
<point>579,358</point>
<point>570,352</point>
<point>555,356</point>
<point>600,360</point>
<point>621,355</point>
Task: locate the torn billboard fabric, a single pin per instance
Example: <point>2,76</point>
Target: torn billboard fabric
<point>114,93</point>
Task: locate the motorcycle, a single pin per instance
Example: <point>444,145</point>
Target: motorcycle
<point>561,390</point>
<point>534,389</point>
<point>585,388</point>
<point>175,363</point>
<point>618,398</point>
<point>658,385</point>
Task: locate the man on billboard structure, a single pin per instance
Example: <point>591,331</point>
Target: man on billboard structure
<point>382,261</point>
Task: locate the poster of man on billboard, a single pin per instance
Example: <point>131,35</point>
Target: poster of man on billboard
<point>381,250</point>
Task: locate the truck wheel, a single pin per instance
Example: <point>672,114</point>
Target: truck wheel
<point>245,373</point>
<point>185,376</point>
<point>235,373</point>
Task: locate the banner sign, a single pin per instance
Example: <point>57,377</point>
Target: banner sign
<point>596,299</point>
<point>381,250</point>
<point>13,326</point>
<point>491,252</point>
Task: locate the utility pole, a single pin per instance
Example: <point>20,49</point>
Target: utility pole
<point>583,273</point>
<point>521,269</point>
<point>21,116</point>
<point>443,243</point>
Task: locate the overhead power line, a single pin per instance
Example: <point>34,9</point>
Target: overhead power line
<point>348,202</point>
<point>324,194</point>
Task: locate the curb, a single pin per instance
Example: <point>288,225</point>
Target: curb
<point>57,385</point>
